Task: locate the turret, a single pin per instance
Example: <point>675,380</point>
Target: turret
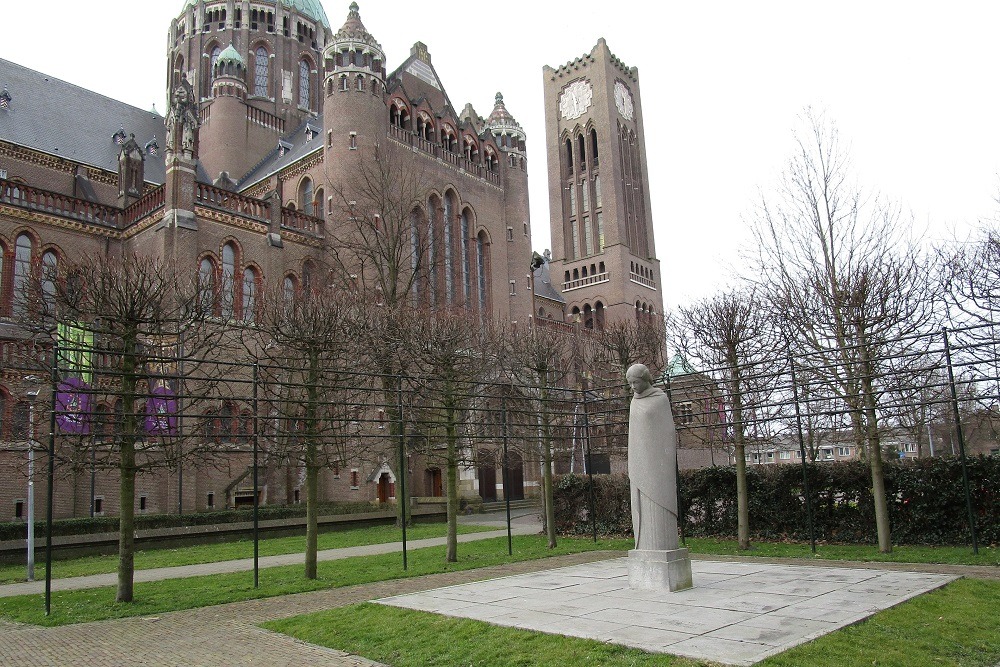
<point>510,138</point>
<point>354,112</point>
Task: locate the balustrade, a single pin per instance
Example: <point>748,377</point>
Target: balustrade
<point>35,199</point>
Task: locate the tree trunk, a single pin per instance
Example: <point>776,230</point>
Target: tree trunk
<point>126,522</point>
<point>452,550</point>
<point>312,525</point>
<point>547,491</point>
<point>875,459</point>
<point>742,498</point>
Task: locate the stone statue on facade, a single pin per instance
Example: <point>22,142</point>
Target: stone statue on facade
<point>656,563</point>
<point>182,120</point>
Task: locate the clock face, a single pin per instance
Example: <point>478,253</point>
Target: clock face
<point>575,100</point>
<point>623,99</point>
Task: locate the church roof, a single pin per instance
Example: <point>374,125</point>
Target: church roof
<point>500,119</point>
<point>306,139</point>
<point>231,54</point>
<point>52,116</point>
<point>543,283</point>
<point>678,366</point>
<point>310,8</point>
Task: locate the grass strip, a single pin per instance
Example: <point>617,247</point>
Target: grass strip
<point>174,594</point>
<point>216,552</point>
<point>950,555</point>
<point>955,625</point>
<point>399,637</point>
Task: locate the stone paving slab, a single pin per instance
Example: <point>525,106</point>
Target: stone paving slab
<point>738,613</point>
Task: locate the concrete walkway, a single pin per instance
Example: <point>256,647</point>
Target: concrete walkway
<point>523,522</point>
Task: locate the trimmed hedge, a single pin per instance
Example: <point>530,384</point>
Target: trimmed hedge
<point>925,496</point>
<point>18,530</point>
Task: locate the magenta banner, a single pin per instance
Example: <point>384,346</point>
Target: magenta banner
<point>73,406</point>
<point>161,412</point>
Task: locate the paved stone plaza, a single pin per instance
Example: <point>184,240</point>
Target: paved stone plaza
<point>738,613</point>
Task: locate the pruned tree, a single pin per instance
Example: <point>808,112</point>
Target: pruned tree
<point>733,333</point>
<point>122,318</point>
<point>971,276</point>
<point>380,245</point>
<point>539,363</point>
<point>849,285</point>
<point>451,352</point>
<point>308,352</point>
<point>621,343</point>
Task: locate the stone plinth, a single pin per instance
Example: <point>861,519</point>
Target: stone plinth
<point>650,570</point>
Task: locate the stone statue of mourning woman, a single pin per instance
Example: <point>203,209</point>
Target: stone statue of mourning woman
<point>657,562</point>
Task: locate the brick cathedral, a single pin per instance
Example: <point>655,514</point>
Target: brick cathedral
<point>246,178</point>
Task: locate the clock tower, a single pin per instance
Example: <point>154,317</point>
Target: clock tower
<point>603,255</point>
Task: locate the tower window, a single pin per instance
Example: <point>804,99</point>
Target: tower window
<point>261,75</point>
<point>304,84</point>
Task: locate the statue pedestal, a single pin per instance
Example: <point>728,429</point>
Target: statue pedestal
<point>650,570</point>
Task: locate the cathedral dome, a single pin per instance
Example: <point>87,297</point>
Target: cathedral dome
<point>308,8</point>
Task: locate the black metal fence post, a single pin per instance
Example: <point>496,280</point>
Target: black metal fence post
<point>961,442</point>
<point>52,475</point>
<point>256,481</point>
<point>401,492</point>
<point>802,455</point>
<point>506,485</point>
<point>590,467</point>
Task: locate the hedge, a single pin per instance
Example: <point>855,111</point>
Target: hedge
<point>18,530</point>
<point>925,496</point>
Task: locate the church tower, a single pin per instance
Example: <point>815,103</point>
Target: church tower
<point>603,254</point>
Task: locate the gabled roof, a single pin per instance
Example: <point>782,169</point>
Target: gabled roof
<point>419,77</point>
<point>52,116</point>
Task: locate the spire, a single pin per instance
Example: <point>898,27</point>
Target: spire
<point>353,27</point>
<point>501,122</point>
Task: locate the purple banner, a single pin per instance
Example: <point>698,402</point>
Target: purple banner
<point>73,406</point>
<point>161,412</point>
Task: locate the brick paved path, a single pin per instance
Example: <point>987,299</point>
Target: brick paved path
<point>226,635</point>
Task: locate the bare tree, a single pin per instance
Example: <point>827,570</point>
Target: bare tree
<point>451,351</point>
<point>381,246</point>
<point>732,332</point>
<point>971,276</point>
<point>308,352</point>
<point>848,282</point>
<point>538,359</point>
<point>122,318</point>
<point>625,342</point>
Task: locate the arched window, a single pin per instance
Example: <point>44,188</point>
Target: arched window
<point>320,204</point>
<point>206,286</point>
<point>449,267</point>
<point>482,261</point>
<point>211,70</point>
<point>249,294</point>
<point>288,292</point>
<point>304,84</point>
<point>228,292</point>
<point>466,271</point>
<point>415,252</point>
<point>593,146</point>
<point>50,270</point>
<point>260,72</point>
<point>432,247</point>
<point>22,272</point>
<point>306,196</point>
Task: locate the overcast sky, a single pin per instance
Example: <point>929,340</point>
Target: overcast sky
<point>911,85</point>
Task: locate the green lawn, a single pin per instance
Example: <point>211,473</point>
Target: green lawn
<point>956,625</point>
<point>213,553</point>
<point>173,594</point>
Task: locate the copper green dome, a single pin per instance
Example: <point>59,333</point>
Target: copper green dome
<point>309,8</point>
